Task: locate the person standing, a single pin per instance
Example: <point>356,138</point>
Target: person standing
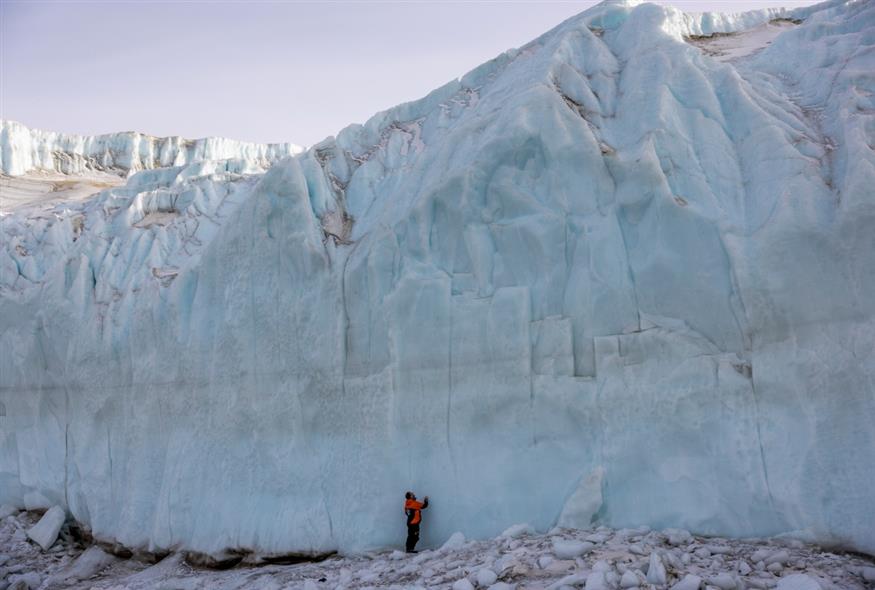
<point>413,510</point>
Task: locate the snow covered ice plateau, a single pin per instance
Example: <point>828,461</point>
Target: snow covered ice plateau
<point>621,276</point>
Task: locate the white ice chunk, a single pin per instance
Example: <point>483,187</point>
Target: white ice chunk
<point>782,556</point>
<point>677,536</point>
<point>518,530</point>
<point>596,581</point>
<point>723,581</point>
<point>630,580</point>
<point>798,582</point>
<point>689,582</point>
<point>569,549</point>
<point>45,532</point>
<point>656,570</point>
<point>570,580</point>
<point>25,581</point>
<point>486,577</point>
<point>92,561</point>
<point>455,541</point>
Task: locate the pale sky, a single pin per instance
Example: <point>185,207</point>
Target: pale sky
<point>260,71</point>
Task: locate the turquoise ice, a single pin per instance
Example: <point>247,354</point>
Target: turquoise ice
<point>605,277</point>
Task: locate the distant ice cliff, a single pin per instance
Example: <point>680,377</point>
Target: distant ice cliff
<point>23,150</point>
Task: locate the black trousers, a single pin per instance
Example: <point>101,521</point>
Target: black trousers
<point>412,536</point>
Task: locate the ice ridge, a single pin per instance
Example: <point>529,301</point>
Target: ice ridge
<point>23,150</point>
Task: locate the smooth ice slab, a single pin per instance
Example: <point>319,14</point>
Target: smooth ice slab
<point>45,532</point>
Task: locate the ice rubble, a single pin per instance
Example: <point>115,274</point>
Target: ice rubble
<point>603,260</point>
<point>620,559</point>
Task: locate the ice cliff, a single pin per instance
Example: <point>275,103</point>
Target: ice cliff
<point>24,150</point>
<point>603,278</point>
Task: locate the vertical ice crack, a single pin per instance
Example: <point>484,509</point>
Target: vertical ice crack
<point>344,345</point>
<point>161,416</point>
<point>739,309</point>
<point>327,508</point>
<point>532,420</point>
<point>450,401</point>
<point>760,443</point>
<point>109,456</point>
<point>66,443</point>
<point>631,270</point>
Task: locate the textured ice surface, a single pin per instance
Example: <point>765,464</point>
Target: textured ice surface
<point>24,150</point>
<point>605,252</point>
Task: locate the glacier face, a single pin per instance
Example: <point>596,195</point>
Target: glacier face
<point>23,150</point>
<point>604,263</point>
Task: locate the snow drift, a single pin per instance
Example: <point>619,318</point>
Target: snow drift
<point>604,277</point>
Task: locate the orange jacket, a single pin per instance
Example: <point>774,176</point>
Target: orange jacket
<point>412,509</point>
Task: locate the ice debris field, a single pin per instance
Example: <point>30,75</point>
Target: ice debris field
<point>595,559</point>
<point>622,276</point>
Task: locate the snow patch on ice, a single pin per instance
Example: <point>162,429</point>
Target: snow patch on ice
<point>733,46</point>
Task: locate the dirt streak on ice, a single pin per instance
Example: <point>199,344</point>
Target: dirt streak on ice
<point>734,46</point>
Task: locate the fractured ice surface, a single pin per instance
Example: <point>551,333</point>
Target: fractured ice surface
<point>605,261</point>
<point>24,150</point>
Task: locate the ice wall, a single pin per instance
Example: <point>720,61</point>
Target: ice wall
<point>601,261</point>
<point>23,150</point>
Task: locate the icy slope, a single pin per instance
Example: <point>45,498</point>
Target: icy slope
<point>24,150</point>
<point>602,278</point>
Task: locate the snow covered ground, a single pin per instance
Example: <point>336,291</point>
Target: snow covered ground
<point>597,559</point>
<point>733,46</point>
<point>603,279</point>
<point>40,189</point>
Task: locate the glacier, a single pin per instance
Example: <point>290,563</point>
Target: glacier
<point>24,150</point>
<point>604,278</point>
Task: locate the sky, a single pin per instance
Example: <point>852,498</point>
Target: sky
<point>266,71</point>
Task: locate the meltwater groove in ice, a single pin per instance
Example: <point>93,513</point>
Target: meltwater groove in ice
<point>605,278</point>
